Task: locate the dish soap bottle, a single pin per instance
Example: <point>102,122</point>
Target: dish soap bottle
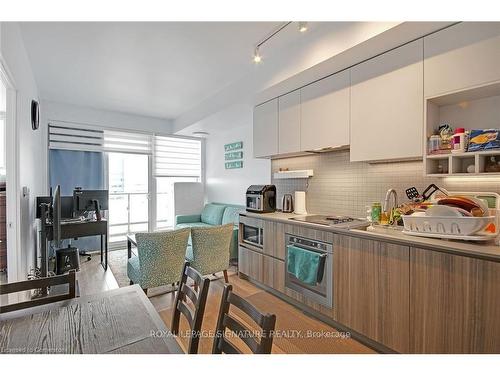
<point>376,211</point>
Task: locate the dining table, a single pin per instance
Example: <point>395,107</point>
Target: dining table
<point>121,320</point>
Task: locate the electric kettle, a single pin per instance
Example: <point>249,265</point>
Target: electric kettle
<point>287,204</point>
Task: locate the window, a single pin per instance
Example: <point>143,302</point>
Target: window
<point>176,160</point>
<point>128,183</point>
<point>141,171</point>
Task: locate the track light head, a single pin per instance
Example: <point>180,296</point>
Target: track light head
<point>256,56</point>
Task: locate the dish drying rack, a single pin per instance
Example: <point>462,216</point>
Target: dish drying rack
<point>457,228</point>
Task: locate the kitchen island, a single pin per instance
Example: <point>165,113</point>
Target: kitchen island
<point>395,292</point>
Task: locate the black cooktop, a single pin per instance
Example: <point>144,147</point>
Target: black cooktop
<point>326,219</point>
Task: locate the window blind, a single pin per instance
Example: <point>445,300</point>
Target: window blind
<point>177,157</point>
<point>85,138</point>
<point>128,142</point>
<point>67,137</point>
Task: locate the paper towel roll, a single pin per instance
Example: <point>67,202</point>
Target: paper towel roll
<point>300,203</point>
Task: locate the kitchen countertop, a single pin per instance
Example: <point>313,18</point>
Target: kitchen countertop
<point>484,250</point>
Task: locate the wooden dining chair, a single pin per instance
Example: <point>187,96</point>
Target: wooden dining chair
<point>266,322</point>
<point>45,282</point>
<point>198,294</point>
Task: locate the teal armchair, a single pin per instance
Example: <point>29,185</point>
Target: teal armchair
<point>215,214</point>
<point>209,252</point>
<point>160,258</point>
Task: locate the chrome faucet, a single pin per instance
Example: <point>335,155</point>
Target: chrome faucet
<point>388,197</point>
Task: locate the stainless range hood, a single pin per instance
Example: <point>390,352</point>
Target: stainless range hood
<point>328,149</point>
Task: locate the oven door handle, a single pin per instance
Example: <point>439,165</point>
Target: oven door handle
<point>321,268</point>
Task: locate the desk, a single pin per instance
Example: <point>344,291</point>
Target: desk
<point>76,229</point>
<point>115,321</point>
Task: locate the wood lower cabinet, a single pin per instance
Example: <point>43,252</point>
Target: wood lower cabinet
<point>411,300</point>
<point>455,303</point>
<point>251,263</point>
<point>371,289</point>
<point>274,273</point>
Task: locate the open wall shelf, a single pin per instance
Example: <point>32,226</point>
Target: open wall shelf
<point>456,164</point>
<point>474,108</point>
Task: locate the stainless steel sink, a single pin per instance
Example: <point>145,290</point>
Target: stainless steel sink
<point>383,229</point>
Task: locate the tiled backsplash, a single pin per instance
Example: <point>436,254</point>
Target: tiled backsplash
<point>341,187</point>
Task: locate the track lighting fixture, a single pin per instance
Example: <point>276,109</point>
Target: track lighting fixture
<point>257,58</point>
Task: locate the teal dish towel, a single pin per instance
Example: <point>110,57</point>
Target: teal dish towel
<point>303,264</point>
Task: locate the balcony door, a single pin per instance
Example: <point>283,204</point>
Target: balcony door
<point>129,195</point>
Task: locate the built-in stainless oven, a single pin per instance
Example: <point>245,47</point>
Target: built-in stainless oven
<point>321,289</point>
<point>252,231</point>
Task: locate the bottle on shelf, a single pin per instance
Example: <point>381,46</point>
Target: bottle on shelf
<point>459,140</point>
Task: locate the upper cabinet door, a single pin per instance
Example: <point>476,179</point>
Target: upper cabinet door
<point>265,129</point>
<point>461,56</point>
<point>289,122</point>
<point>387,105</point>
<point>324,118</point>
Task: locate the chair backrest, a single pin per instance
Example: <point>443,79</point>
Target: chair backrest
<point>45,282</point>
<point>162,254</point>
<point>266,322</point>
<point>211,247</point>
<point>198,296</point>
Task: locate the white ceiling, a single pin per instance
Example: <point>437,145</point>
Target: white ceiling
<point>175,70</point>
<point>155,69</point>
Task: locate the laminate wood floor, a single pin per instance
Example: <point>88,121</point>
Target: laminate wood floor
<point>295,328</point>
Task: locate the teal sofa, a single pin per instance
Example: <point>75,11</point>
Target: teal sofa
<point>211,215</point>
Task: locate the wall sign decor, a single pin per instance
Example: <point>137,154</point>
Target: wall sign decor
<point>234,164</point>
<point>233,146</point>
<point>235,155</point>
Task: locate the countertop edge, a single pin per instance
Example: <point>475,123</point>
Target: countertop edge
<point>488,252</point>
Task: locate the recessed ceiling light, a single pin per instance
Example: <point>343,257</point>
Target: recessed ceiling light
<point>302,27</point>
<point>201,134</point>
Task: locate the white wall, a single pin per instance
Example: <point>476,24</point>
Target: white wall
<point>73,113</point>
<point>229,186</point>
<point>31,172</point>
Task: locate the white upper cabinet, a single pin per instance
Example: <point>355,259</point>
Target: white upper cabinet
<point>387,105</point>
<point>265,129</point>
<point>289,122</point>
<point>324,113</point>
<point>461,56</point>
